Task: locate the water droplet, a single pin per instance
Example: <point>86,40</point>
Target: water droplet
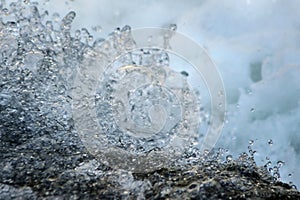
<point>77,34</point>
<point>173,27</point>
<point>269,163</point>
<point>229,158</point>
<point>276,175</point>
<point>294,187</point>
<point>67,21</point>
<point>252,110</point>
<point>270,142</point>
<point>185,73</point>
<point>5,11</point>
<point>126,29</point>
<point>249,91</point>
<point>221,93</point>
<point>251,142</point>
<point>49,25</point>
<point>271,170</point>
<point>280,163</point>
<point>56,17</point>
<point>97,29</point>
<point>90,38</point>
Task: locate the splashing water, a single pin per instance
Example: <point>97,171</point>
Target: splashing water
<point>141,104</point>
<point>144,108</point>
<point>147,111</point>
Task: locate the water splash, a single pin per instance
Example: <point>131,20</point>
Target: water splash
<point>39,60</point>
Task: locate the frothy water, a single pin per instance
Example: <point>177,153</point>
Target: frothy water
<point>141,103</point>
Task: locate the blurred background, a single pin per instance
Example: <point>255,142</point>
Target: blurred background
<point>254,43</point>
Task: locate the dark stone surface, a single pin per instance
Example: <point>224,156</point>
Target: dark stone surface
<point>47,168</point>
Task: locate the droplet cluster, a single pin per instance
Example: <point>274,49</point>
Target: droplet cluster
<point>144,105</point>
